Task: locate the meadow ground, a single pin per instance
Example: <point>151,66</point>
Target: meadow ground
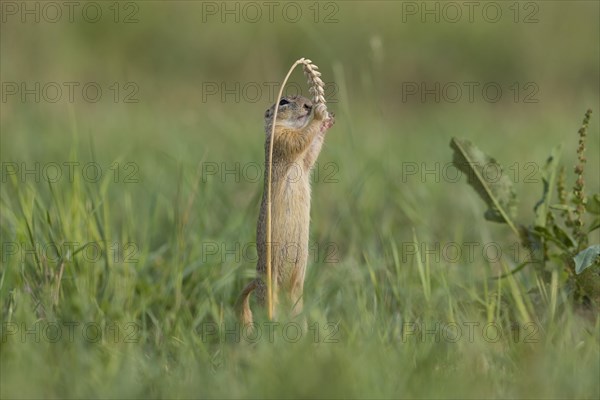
<point>132,152</point>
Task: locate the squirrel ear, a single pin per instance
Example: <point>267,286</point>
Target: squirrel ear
<point>268,113</point>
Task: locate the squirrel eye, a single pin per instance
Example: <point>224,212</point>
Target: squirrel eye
<point>283,102</point>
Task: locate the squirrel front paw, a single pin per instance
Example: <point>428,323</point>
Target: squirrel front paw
<point>328,122</point>
<point>320,112</point>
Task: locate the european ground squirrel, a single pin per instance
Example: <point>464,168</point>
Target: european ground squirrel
<point>299,135</point>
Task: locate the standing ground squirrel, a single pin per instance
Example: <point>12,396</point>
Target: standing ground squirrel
<point>299,135</point>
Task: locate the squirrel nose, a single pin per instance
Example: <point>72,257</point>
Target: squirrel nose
<point>308,107</point>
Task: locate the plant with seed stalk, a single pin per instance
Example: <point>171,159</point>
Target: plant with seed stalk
<point>547,238</point>
<point>316,88</point>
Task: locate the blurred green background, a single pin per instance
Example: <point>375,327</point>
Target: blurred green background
<point>177,52</point>
<point>158,65</point>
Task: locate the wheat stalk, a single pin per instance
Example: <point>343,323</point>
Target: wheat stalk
<point>316,88</point>
<point>315,85</point>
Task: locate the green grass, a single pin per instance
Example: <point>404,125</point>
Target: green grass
<point>376,281</point>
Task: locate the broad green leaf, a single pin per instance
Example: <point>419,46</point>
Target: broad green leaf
<point>486,176</point>
<point>563,236</point>
<point>586,258</point>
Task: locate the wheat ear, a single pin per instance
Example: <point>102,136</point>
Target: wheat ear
<point>316,88</point>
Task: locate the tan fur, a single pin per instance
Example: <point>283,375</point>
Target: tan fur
<point>299,135</point>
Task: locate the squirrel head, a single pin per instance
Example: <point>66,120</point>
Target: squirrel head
<point>292,112</point>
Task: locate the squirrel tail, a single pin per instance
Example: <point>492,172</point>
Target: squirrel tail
<point>242,305</point>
